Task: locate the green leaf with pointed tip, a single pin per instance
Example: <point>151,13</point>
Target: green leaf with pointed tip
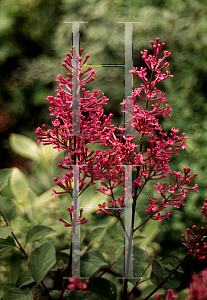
<point>120,265</point>
<point>157,270</point>
<point>171,263</point>
<point>46,197</point>
<point>159,258</point>
<point>6,245</point>
<point>25,147</point>
<point>7,207</point>
<point>102,288</point>
<point>76,295</point>
<point>5,231</point>
<point>17,294</point>
<point>49,153</point>
<point>119,251</point>
<point>91,262</point>
<point>55,294</point>
<point>41,260</point>
<point>32,196</point>
<point>37,232</point>
<point>8,286</point>
<point>81,252</point>
<point>19,185</point>
<point>97,234</point>
<point>24,279</point>
<point>172,283</point>
<point>4,177</point>
<point>82,235</point>
<point>140,252</point>
<point>137,264</point>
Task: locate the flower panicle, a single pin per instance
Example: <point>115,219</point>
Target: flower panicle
<point>195,239</point>
<point>95,127</point>
<point>204,209</point>
<point>81,221</point>
<point>174,195</point>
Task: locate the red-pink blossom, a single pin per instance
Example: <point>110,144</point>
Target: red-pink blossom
<point>196,241</point>
<point>198,286</point>
<point>169,296</point>
<point>81,221</point>
<point>76,284</point>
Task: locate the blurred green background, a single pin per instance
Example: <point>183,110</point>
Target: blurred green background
<point>34,41</point>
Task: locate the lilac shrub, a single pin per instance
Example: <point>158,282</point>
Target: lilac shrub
<point>107,166</point>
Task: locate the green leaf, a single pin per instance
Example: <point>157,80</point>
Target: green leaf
<point>7,207</point>
<point>97,234</point>
<point>172,283</point>
<point>140,252</point>
<point>25,147</point>
<point>91,262</point>
<point>120,265</point>
<point>46,197</point>
<point>5,231</point>
<point>81,252</point>
<point>49,153</point>
<point>24,279</point>
<point>8,286</point>
<point>15,265</point>
<point>82,235</point>
<point>76,295</point>
<point>41,260</point>
<point>17,294</point>
<point>159,258</point>
<point>102,288</point>
<point>171,263</point>
<point>119,251</point>
<point>4,177</point>
<point>19,185</point>
<point>6,245</point>
<point>157,270</point>
<point>55,294</point>
<point>38,231</point>
<point>138,239</point>
<point>137,264</point>
<point>32,197</point>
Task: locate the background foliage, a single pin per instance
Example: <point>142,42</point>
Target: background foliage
<point>33,42</point>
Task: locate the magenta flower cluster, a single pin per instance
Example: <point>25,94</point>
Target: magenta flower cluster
<point>169,296</point>
<point>96,127</point>
<point>107,167</point>
<point>76,284</point>
<point>195,239</point>
<point>198,286</point>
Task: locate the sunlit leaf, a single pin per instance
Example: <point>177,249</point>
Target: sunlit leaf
<point>38,231</point>
<point>24,146</point>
